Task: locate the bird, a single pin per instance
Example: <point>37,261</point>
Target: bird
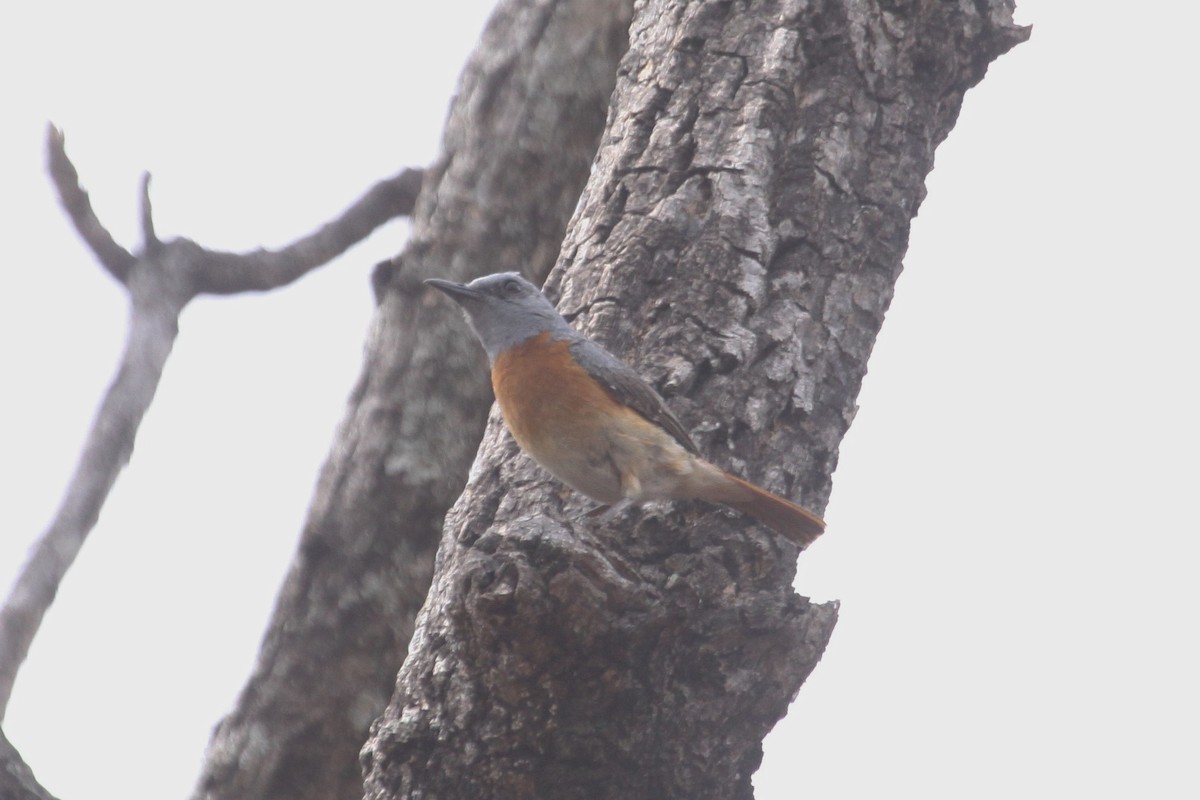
<point>590,420</point>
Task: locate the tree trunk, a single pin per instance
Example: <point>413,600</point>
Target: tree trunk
<point>738,242</point>
<point>517,146</point>
<point>16,779</point>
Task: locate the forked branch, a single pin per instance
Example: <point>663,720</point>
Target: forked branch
<point>160,282</point>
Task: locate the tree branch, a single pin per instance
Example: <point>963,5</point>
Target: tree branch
<point>114,258</point>
<point>150,240</point>
<point>153,325</point>
<point>160,284</point>
<point>262,270</point>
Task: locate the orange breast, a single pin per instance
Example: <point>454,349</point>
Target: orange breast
<point>580,433</point>
<point>547,399</point>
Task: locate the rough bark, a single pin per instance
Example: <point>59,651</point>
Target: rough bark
<point>519,138</point>
<point>16,779</point>
<point>739,241</point>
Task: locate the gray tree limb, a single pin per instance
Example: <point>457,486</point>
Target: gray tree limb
<point>520,136</point>
<point>160,282</point>
<point>739,241</point>
<point>75,201</point>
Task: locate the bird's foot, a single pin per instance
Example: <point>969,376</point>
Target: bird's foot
<point>605,514</point>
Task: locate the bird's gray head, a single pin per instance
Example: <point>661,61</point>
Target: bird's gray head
<point>504,310</point>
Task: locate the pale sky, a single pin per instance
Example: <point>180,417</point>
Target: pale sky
<point>1011,532</point>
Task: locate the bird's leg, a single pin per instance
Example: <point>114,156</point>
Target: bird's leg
<point>631,488</point>
<point>596,511</point>
<point>605,514</point>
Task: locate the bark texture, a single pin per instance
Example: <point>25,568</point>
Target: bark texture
<point>739,242</point>
<point>16,779</point>
<point>519,138</point>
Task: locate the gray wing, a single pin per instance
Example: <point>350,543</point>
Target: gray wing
<point>629,388</point>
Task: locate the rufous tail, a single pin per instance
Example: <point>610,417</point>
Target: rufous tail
<point>787,519</point>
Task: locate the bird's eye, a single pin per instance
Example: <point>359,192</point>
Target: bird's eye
<point>512,287</point>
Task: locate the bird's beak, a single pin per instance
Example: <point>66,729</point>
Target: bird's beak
<point>457,291</point>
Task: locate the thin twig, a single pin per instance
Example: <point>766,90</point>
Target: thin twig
<point>149,238</point>
<point>114,258</point>
<point>230,273</point>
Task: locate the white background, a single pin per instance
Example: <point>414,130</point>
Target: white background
<point>1012,533</point>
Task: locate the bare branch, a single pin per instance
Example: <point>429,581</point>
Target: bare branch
<point>114,258</point>
<point>160,285</point>
<point>152,332</point>
<point>230,273</point>
<point>149,239</point>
